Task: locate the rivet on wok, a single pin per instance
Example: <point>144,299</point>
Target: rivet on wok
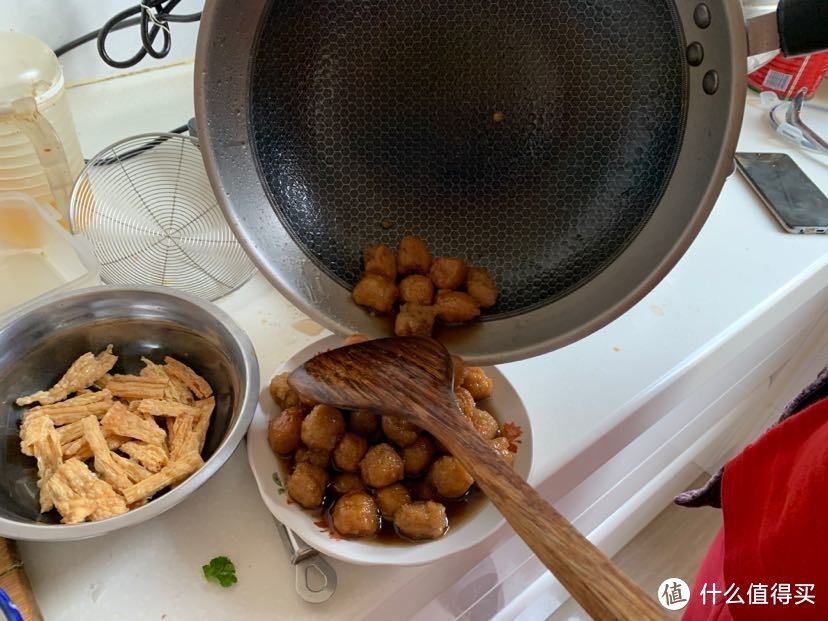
<point>695,54</point>
<point>702,15</point>
<point>710,82</point>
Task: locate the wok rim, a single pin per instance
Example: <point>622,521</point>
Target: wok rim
<point>228,34</point>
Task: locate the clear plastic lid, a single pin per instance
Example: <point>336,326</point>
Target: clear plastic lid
<point>28,68</point>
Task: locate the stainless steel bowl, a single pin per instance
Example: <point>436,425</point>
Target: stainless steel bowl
<point>37,344</point>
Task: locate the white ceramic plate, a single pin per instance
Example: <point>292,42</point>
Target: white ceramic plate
<point>505,404</point>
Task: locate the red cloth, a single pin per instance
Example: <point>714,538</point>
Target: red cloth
<point>774,504</point>
<point>710,572</point>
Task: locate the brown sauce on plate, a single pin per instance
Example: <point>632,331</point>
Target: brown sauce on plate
<point>458,511</point>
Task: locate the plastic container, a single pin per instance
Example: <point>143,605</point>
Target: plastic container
<point>787,76</point>
<point>37,256</point>
<point>39,150</point>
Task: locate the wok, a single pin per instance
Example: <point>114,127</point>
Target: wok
<point>574,148</point>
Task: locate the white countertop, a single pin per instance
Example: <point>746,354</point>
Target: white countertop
<point>741,270</point>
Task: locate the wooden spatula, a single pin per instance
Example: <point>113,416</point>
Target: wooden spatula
<point>412,377</point>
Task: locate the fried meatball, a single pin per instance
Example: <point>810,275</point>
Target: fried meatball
<point>381,466</point>
<point>477,383</point>
<point>481,286</point>
<point>459,365</point>
<point>355,515</point>
<point>323,428</point>
<point>501,447</point>
<point>381,260</point>
<point>345,482</point>
<point>450,478</point>
<point>307,485</point>
<point>375,292</point>
<point>414,320</point>
<point>421,520</point>
<point>363,422</point>
<point>464,401</point>
<point>456,306</point>
<point>307,402</point>
<point>356,338</point>
<point>282,393</point>
<point>392,498</point>
<point>399,430</point>
<point>484,423</point>
<point>349,452</point>
<point>417,289</point>
<point>422,489</point>
<point>284,432</point>
<point>312,456</point>
<point>448,272</point>
<point>413,257</point>
<point>417,456</point>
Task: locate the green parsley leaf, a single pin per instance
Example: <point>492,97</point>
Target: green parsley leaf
<point>220,570</point>
<point>279,485</point>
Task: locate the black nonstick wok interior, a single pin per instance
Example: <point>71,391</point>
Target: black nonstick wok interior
<point>532,138</point>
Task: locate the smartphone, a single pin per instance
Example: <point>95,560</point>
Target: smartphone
<point>795,201</point>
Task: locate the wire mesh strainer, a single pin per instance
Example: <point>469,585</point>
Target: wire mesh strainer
<point>147,208</point>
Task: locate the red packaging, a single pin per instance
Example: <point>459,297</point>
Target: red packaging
<point>787,76</point>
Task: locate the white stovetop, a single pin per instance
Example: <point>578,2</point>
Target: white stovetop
<point>741,267</point>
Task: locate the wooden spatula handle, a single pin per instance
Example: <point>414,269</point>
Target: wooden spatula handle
<point>594,581</point>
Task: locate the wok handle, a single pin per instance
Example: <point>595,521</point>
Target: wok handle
<point>593,580</point>
<point>803,26</point>
<point>798,27</point>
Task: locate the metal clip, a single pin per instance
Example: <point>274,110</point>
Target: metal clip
<point>315,578</point>
<point>793,128</point>
<point>161,23</point>
<point>794,117</point>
